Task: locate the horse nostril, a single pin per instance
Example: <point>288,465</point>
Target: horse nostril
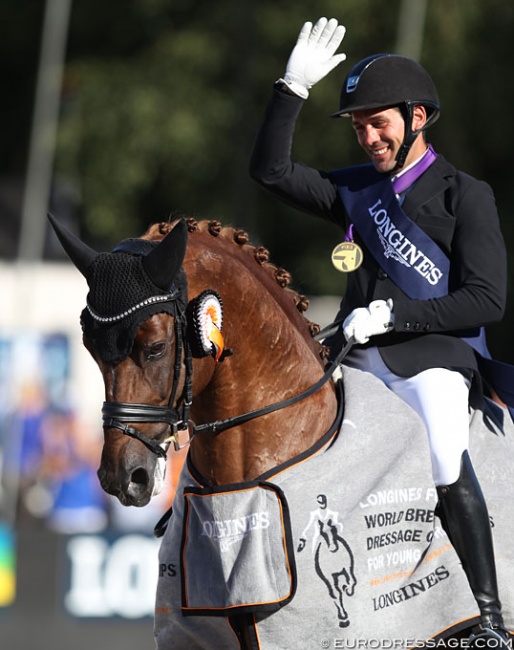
<point>140,477</point>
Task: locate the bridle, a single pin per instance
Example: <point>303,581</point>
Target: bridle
<point>118,415</point>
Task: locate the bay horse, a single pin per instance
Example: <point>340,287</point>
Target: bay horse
<point>199,337</point>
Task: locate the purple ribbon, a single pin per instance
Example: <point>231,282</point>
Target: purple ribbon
<point>404,181</point>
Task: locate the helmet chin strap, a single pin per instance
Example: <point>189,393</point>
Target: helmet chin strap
<point>406,110</point>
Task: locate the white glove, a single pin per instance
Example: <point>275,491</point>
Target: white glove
<point>313,55</point>
<point>364,322</point>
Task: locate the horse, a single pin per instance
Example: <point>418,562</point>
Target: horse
<point>199,336</point>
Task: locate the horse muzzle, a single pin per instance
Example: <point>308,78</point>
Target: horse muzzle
<point>137,477</point>
<point>134,477</point>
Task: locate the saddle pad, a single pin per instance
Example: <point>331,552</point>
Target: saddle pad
<point>237,554</point>
<point>374,567</point>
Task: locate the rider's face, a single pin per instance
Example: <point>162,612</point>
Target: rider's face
<point>380,133</point>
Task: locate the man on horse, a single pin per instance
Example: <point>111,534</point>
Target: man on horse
<point>427,265</point>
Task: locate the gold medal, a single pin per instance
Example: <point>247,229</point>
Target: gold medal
<point>347,256</point>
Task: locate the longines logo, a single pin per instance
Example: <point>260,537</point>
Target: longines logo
<point>402,250</point>
<point>230,531</point>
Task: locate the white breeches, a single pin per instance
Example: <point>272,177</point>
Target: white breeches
<point>440,397</point>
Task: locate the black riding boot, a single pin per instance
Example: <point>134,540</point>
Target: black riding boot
<point>464,517</point>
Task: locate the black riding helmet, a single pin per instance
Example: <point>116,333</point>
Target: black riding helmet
<point>386,81</point>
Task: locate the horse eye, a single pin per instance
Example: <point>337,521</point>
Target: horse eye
<point>155,351</point>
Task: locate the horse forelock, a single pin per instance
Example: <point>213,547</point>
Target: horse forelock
<point>249,255</point>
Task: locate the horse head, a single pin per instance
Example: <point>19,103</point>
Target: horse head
<point>132,325</point>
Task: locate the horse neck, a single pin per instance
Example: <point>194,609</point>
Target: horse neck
<point>273,358</point>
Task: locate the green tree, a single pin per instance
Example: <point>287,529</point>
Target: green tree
<point>162,100</point>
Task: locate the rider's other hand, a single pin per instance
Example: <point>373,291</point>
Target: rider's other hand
<point>365,322</point>
<point>313,56</point>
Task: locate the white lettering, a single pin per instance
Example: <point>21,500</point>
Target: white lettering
<point>383,497</point>
<point>112,579</point>
<point>406,249</point>
<point>424,266</point>
<point>435,275</point>
<point>386,227</point>
<point>408,555</point>
<point>406,244</point>
<point>395,238</point>
<point>380,217</point>
<point>86,595</point>
<point>130,577</point>
<point>229,527</point>
<point>373,208</point>
<point>413,255</point>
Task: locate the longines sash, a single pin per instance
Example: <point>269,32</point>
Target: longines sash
<point>413,261</point>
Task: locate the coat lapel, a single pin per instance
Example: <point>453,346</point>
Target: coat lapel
<point>434,181</point>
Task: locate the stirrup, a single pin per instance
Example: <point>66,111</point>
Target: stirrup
<point>489,636</point>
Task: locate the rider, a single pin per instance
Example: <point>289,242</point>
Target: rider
<point>433,263</point>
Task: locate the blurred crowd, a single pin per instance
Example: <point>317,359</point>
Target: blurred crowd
<point>49,456</point>
<point>49,465</point>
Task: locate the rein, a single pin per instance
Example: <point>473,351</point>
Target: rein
<point>119,414</point>
<point>223,425</point>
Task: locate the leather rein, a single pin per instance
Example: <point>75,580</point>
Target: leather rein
<point>122,415</point>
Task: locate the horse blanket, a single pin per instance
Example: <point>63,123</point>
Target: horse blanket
<point>342,548</point>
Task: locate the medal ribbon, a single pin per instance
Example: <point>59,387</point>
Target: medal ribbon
<point>408,178</point>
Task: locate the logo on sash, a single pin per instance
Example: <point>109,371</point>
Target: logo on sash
<point>400,249</point>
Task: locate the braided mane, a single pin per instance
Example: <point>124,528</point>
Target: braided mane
<point>260,254</point>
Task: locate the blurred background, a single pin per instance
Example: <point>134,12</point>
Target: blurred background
<point>117,114</point>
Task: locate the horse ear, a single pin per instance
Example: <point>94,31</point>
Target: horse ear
<point>164,262</point>
<point>78,252</point>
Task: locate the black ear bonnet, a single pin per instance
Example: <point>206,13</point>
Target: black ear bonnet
<point>136,280</point>
<point>122,296</point>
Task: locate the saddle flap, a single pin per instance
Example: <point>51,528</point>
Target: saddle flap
<point>237,554</point>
